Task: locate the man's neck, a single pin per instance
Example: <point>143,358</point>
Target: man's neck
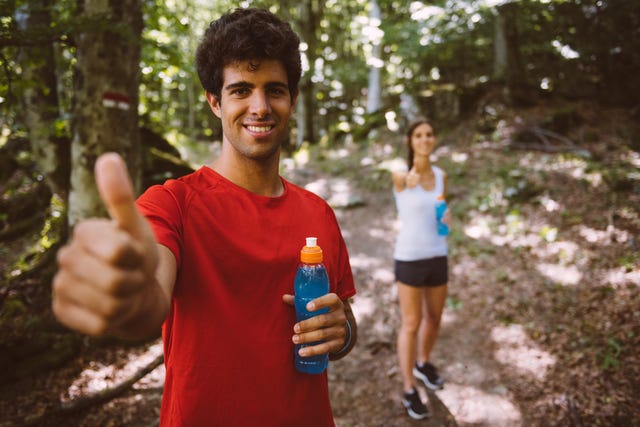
<point>258,177</point>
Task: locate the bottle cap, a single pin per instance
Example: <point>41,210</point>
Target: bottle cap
<point>311,253</point>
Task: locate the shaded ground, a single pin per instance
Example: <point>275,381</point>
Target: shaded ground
<point>543,319</point>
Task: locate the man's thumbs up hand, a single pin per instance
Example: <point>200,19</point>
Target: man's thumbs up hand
<point>107,270</point>
<point>116,191</point>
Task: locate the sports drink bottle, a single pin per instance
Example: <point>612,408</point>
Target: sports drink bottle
<point>441,207</point>
<point>310,283</point>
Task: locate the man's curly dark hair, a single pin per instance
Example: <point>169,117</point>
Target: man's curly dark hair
<point>250,34</point>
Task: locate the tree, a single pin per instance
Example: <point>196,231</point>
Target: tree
<point>310,14</point>
<point>375,60</point>
<point>40,95</point>
<point>514,72</point>
<point>499,49</point>
<point>105,112</point>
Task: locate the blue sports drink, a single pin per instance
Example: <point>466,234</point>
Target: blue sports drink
<point>441,207</point>
<point>310,283</point>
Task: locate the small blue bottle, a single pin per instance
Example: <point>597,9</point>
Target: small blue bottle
<point>441,207</point>
<point>310,283</point>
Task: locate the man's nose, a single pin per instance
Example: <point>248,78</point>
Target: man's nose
<point>259,103</point>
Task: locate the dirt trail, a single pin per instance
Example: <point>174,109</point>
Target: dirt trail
<point>366,385</point>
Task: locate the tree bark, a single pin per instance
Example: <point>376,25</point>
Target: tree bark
<point>515,76</point>
<point>40,97</point>
<point>307,23</point>
<point>499,49</point>
<point>374,88</point>
<point>105,111</point>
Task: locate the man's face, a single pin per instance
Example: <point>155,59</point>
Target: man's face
<point>254,108</point>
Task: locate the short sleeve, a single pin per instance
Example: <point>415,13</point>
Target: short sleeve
<point>161,207</point>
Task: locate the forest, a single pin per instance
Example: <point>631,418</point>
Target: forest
<point>536,105</point>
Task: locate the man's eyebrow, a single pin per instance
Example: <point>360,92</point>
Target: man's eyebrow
<point>277,85</point>
<point>238,85</point>
<point>247,85</point>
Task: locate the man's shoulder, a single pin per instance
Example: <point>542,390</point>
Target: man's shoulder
<point>194,177</point>
<point>306,195</point>
<point>180,189</point>
<point>193,182</point>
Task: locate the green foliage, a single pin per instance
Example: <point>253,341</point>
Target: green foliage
<point>550,234</point>
<point>571,218</point>
<point>577,48</point>
<point>375,180</point>
<point>169,95</point>
<point>420,39</point>
<point>628,261</point>
<point>453,303</point>
<point>12,307</point>
<point>501,276</point>
<point>610,354</point>
<point>39,253</point>
<point>620,178</point>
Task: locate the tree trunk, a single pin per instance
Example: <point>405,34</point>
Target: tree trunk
<point>515,75</point>
<point>306,113</point>
<point>307,24</point>
<point>301,123</point>
<point>105,112</point>
<point>51,153</point>
<point>375,63</point>
<point>499,49</point>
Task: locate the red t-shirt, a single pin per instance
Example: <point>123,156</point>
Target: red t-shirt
<point>227,339</point>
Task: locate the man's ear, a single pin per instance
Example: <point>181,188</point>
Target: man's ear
<point>214,103</point>
<point>294,97</point>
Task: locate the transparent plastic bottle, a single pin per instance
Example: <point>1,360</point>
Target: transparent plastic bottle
<point>310,283</point>
<point>441,207</point>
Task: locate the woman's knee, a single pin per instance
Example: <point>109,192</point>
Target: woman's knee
<point>410,325</point>
<point>433,319</point>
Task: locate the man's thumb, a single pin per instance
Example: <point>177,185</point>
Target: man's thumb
<point>116,190</point>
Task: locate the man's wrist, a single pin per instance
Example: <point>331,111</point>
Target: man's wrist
<point>347,342</point>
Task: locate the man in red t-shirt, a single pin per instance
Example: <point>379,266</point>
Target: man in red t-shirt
<point>211,257</point>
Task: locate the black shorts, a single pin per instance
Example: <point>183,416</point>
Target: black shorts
<point>423,272</point>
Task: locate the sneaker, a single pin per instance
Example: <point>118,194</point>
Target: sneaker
<point>428,374</point>
<point>415,408</point>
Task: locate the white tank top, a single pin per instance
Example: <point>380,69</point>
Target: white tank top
<point>418,234</point>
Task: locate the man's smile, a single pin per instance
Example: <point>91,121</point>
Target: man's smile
<point>259,129</point>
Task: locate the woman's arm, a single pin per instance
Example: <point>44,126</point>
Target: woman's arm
<point>399,180</point>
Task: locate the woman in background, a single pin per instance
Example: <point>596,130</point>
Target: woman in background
<point>421,268</point>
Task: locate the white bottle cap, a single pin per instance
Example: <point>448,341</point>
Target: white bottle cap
<point>312,241</point>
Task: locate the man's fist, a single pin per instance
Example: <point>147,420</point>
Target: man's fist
<point>106,280</point>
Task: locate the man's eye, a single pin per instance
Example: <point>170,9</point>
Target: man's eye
<point>240,91</point>
<point>278,91</point>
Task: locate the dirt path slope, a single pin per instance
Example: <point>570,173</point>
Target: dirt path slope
<point>366,385</point>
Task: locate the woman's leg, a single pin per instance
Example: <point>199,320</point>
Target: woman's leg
<point>433,299</point>
<point>410,298</point>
